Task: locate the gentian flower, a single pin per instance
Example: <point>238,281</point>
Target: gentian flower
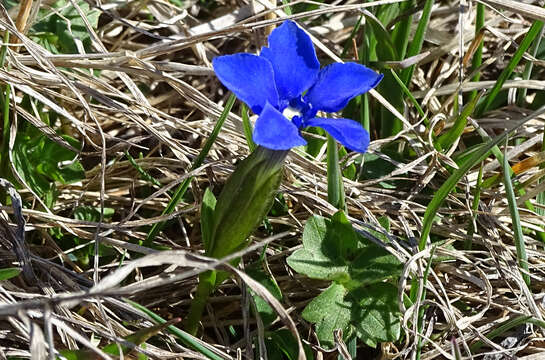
<point>286,88</point>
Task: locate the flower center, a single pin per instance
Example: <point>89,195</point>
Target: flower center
<point>303,111</point>
<point>290,112</point>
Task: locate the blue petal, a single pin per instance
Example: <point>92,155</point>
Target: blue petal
<point>348,132</point>
<point>293,58</point>
<point>250,77</point>
<point>274,131</point>
<point>338,83</point>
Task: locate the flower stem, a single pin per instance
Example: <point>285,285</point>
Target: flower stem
<point>206,285</point>
<point>335,186</point>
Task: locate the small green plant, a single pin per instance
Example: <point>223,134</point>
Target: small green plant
<point>59,32</point>
<point>362,298</point>
<point>41,162</point>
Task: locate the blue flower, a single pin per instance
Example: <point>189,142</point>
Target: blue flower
<point>286,88</point>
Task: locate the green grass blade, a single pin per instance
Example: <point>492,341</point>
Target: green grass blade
<point>478,56</point>
<point>4,49</point>
<point>534,30</point>
<point>416,45</point>
<point>402,30</point>
<point>496,178</point>
<point>287,8</point>
<point>390,125</point>
<point>141,171</point>
<point>410,96</point>
<point>182,335</point>
<point>451,182</point>
<point>447,139</point>
<point>4,101</point>
<point>541,197</point>
<point>182,188</point>
<point>505,327</point>
<point>527,73</point>
<point>422,310</point>
<point>8,273</point>
<point>248,129</point>
<point>515,219</point>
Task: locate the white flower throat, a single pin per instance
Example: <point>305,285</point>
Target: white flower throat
<point>290,112</point>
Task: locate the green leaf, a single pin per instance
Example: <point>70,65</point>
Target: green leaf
<point>139,337</point>
<point>54,32</point>
<point>39,162</point>
<point>318,258</point>
<point>50,157</point>
<point>330,310</point>
<point>8,273</point>
<point>386,50</point>
<point>267,314</point>
<point>281,345</point>
<point>372,265</point>
<point>376,167</point>
<point>207,217</point>
<point>314,143</point>
<point>375,313</point>
<point>342,238</point>
<point>79,354</point>
<point>402,30</point>
<point>332,250</point>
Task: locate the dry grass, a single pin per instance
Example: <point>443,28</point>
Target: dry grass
<point>155,93</point>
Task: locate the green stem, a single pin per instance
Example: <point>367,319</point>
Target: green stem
<point>206,285</point>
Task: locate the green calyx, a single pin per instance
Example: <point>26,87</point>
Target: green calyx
<point>226,223</point>
<point>243,203</point>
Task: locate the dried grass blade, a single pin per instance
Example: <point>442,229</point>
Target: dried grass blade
<point>180,191</point>
<point>451,182</point>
